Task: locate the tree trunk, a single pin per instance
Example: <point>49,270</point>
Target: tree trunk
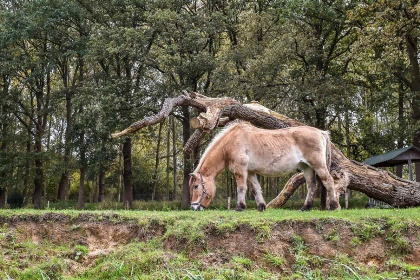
<point>401,127</point>
<point>174,156</point>
<point>3,147</point>
<point>27,168</point>
<point>101,187</point>
<point>413,54</point>
<point>80,202</point>
<point>128,184</point>
<point>39,173</point>
<point>155,175</point>
<point>185,199</point>
<point>376,183</point>
<point>168,148</point>
<point>42,114</point>
<point>63,185</point>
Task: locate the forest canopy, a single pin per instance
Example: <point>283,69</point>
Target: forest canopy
<point>74,72</point>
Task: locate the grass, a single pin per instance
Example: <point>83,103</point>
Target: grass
<point>24,259</point>
<point>398,216</point>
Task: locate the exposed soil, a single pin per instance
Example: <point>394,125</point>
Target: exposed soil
<point>326,239</point>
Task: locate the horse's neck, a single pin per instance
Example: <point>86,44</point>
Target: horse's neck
<point>214,162</point>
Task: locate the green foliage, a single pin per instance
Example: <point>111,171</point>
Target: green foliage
<point>15,200</point>
<point>339,65</point>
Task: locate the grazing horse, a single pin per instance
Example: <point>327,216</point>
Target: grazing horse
<point>248,151</point>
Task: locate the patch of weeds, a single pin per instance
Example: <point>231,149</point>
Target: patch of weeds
<point>226,227</point>
<point>408,269</point>
<point>316,261</point>
<point>333,236</point>
<point>275,259</point>
<point>356,241</point>
<point>310,274</point>
<point>299,251</point>
<point>298,243</point>
<point>75,227</point>
<point>80,252</point>
<point>366,231</point>
<point>193,274</point>
<point>243,262</point>
<point>50,270</point>
<point>399,244</point>
<point>263,231</point>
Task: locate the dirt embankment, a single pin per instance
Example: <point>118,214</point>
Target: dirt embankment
<point>370,245</point>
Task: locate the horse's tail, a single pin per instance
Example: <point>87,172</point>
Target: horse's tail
<point>326,135</point>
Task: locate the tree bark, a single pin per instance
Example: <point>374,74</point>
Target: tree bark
<point>401,127</point>
<point>80,202</point>
<point>63,185</point>
<point>376,183</point>
<point>185,198</point>
<point>413,53</point>
<point>128,184</point>
<point>155,175</point>
<point>3,147</point>
<point>168,148</point>
<point>174,156</point>
<point>101,187</point>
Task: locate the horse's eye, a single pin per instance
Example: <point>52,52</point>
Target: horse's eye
<point>196,187</point>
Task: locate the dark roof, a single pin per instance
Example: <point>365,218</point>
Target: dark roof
<point>396,157</point>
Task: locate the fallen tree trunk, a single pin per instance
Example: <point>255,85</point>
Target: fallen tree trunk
<point>376,183</point>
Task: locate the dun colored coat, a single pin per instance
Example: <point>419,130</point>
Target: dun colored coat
<point>247,151</point>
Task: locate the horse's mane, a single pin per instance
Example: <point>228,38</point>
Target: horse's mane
<point>216,139</point>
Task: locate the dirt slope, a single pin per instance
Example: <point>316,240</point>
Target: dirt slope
<point>281,247</point>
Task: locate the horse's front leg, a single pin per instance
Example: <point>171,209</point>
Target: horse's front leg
<point>241,178</point>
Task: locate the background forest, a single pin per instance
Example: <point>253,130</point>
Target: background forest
<point>74,71</point>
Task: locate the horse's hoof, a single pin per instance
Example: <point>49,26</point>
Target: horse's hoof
<point>261,207</point>
<point>334,206</point>
<point>306,207</point>
<point>240,207</point>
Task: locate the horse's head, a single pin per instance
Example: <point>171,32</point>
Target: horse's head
<point>201,191</point>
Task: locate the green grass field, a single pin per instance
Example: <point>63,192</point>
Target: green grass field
<point>212,244</point>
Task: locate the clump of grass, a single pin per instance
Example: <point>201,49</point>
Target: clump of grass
<point>242,262</point>
<point>333,236</point>
<point>263,230</point>
<point>356,241</point>
<point>298,243</point>
<point>367,231</point>
<point>226,226</point>
<point>399,244</point>
<point>275,259</point>
<point>410,270</point>
<point>52,269</point>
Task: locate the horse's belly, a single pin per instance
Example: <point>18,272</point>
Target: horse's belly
<point>275,166</point>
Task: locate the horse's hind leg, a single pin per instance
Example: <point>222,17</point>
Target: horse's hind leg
<point>332,193</point>
<point>310,178</point>
<point>256,187</point>
<point>241,175</point>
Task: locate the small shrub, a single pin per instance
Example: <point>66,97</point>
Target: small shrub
<point>15,200</point>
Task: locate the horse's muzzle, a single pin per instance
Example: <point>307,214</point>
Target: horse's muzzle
<point>197,207</point>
